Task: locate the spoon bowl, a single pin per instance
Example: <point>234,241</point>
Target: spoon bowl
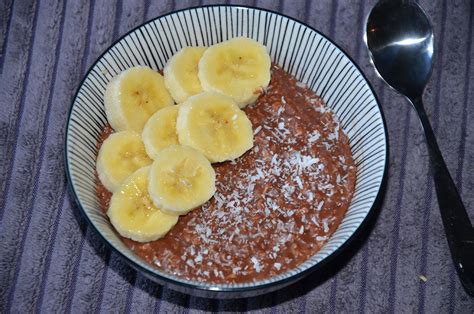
<point>401,45</point>
<point>400,40</point>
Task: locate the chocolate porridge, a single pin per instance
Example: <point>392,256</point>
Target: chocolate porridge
<point>275,206</point>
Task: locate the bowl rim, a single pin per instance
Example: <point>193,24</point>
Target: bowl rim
<point>281,282</point>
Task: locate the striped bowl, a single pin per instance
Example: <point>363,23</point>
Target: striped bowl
<point>302,51</point>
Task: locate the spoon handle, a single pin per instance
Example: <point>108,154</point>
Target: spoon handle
<point>458,228</point>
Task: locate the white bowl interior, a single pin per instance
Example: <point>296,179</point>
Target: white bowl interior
<point>300,50</point>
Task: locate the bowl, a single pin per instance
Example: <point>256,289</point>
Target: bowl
<point>300,50</point>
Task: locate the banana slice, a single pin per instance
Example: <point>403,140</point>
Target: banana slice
<point>160,130</point>
<point>133,96</point>
<point>181,73</point>
<point>119,156</point>
<point>133,214</point>
<point>213,124</point>
<point>181,179</point>
<point>239,68</point>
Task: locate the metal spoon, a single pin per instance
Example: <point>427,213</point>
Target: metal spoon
<point>400,41</point>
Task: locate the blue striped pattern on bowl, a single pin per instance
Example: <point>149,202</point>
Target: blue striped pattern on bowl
<point>309,56</point>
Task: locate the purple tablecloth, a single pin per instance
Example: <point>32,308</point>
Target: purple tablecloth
<point>51,260</point>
